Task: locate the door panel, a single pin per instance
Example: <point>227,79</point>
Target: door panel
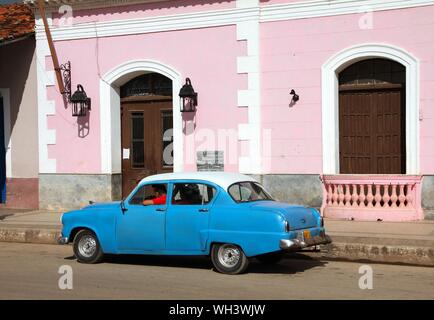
<point>188,217</point>
<point>141,228</point>
<point>144,124</point>
<point>372,131</point>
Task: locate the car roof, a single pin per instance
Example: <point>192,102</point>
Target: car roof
<point>223,179</point>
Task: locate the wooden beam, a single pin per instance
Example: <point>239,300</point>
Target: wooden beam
<point>52,48</point>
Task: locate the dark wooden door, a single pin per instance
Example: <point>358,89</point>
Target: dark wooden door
<point>146,135</point>
<point>372,131</point>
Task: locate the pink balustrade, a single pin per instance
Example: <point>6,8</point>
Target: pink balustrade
<point>372,198</point>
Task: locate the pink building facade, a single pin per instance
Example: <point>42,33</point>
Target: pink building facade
<point>359,141</point>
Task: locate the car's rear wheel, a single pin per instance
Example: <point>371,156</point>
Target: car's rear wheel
<point>229,258</point>
<point>271,258</point>
<point>87,248</point>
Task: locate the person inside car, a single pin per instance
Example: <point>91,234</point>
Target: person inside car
<point>160,193</point>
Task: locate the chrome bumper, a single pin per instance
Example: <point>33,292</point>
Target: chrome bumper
<point>297,244</point>
<point>62,240</point>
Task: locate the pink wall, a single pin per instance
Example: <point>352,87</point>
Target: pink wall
<point>190,52</point>
<point>292,53</point>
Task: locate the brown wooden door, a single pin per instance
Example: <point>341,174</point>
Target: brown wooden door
<point>372,131</point>
<point>146,135</point>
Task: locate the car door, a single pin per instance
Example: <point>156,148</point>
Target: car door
<point>140,227</point>
<point>188,215</point>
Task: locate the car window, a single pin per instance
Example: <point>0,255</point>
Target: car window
<point>192,193</point>
<point>248,191</point>
<point>148,192</point>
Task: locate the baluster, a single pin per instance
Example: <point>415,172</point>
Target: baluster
<point>335,196</point>
<point>377,196</point>
<point>401,197</point>
<point>386,196</point>
<point>370,196</point>
<point>347,196</point>
<point>355,196</point>
<point>362,196</point>
<point>341,195</point>
<point>328,194</point>
<point>393,197</point>
<point>410,192</point>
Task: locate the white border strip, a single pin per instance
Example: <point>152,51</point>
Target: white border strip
<point>245,11</point>
<point>5,94</point>
<point>321,8</point>
<point>45,107</point>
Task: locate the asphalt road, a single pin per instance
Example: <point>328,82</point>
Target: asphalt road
<point>29,271</point>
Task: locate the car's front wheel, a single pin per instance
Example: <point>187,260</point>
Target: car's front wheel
<point>229,258</point>
<point>87,248</point>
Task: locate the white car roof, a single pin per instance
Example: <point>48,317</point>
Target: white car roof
<point>223,179</point>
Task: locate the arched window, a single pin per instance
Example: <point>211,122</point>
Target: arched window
<point>148,84</point>
<point>372,118</point>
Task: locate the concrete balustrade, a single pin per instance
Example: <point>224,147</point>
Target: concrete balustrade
<point>386,198</point>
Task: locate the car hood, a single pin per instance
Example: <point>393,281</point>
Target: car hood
<point>103,205</point>
<point>299,217</point>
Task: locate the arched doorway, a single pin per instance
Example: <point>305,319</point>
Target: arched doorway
<point>372,118</point>
<point>146,128</point>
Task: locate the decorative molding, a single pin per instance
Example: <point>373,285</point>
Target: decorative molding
<point>110,121</point>
<point>45,107</point>
<point>6,95</point>
<point>250,64</point>
<point>246,10</point>
<point>151,24</point>
<point>321,8</point>
<point>330,99</point>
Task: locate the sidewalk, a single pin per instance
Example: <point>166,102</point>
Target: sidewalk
<point>391,242</point>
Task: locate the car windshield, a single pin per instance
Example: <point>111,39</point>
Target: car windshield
<point>248,192</point>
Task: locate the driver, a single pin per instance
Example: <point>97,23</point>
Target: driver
<point>160,193</point>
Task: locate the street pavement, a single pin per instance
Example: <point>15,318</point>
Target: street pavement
<point>392,242</point>
<point>30,271</point>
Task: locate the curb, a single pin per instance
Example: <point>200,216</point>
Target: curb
<point>25,235</point>
<point>391,254</point>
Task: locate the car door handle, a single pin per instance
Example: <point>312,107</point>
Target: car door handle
<point>203,210</point>
<point>160,209</point>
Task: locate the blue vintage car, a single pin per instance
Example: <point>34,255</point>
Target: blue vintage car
<point>229,217</point>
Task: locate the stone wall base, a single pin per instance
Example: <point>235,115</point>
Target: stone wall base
<point>72,191</point>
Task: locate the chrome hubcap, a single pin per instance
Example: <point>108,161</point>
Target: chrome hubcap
<point>87,246</point>
<point>229,255</point>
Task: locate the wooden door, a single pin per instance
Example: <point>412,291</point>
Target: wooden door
<point>372,130</point>
<point>146,135</point>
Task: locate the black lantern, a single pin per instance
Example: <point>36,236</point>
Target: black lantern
<point>188,97</point>
<point>80,102</point>
<point>295,97</point>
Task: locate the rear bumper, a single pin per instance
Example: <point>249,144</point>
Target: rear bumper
<point>298,244</point>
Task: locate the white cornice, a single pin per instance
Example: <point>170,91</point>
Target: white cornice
<point>151,24</point>
<point>318,8</point>
<point>268,13</point>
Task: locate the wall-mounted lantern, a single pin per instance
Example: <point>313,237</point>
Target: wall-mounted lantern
<point>80,101</point>
<point>188,97</point>
<point>295,97</point>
